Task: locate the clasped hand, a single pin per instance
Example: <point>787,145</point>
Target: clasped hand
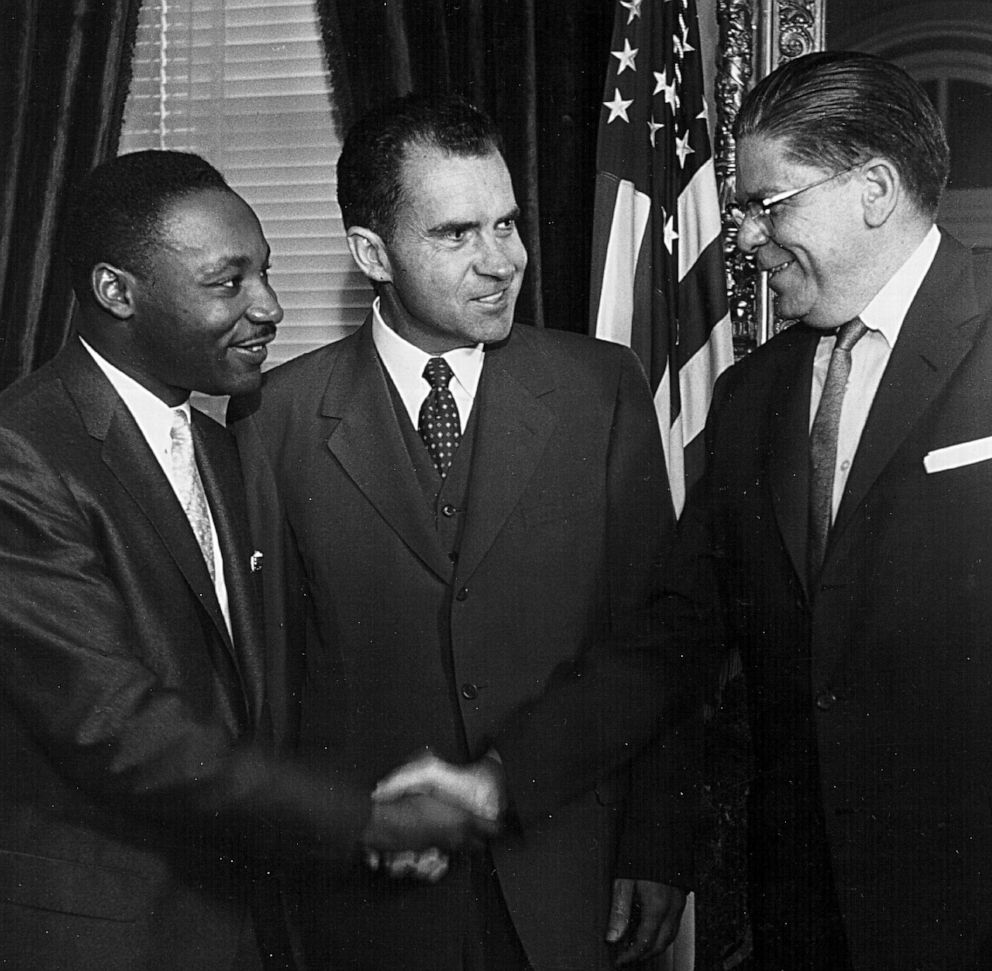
<point>427,808</point>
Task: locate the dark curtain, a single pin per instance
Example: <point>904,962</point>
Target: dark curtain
<point>64,75</point>
<point>538,67</point>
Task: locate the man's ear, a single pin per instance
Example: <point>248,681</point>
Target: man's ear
<point>113,290</point>
<point>882,192</point>
<point>369,251</point>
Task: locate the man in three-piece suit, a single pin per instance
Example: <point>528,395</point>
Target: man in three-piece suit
<point>472,513</point>
<point>139,794</point>
<point>844,533</point>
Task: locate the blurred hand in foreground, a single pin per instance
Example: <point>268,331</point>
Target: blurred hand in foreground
<point>478,788</point>
<point>428,866</point>
<point>420,822</point>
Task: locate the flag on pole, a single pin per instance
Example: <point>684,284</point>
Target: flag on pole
<point>658,281</point>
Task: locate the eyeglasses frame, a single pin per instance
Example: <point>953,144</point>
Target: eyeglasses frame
<point>761,208</point>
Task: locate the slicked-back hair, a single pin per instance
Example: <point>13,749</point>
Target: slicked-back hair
<point>836,109</point>
<point>116,212</point>
<point>370,183</point>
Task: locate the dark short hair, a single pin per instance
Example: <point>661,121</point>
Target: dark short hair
<point>835,109</point>
<point>369,169</point>
<point>115,213</point>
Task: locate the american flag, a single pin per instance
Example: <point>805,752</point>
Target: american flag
<point>658,282</point>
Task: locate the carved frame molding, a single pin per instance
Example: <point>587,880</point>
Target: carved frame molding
<point>756,36</point>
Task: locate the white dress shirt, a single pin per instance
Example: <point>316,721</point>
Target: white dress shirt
<point>883,317</point>
<point>154,418</point>
<point>404,362</point>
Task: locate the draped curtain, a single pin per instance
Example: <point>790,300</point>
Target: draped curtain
<point>537,66</point>
<point>63,80</point>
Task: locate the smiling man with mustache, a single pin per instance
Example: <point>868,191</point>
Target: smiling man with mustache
<point>142,800</point>
<point>472,511</point>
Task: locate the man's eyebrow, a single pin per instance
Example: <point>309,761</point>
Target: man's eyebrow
<point>454,226</point>
<point>461,226</point>
<point>237,261</point>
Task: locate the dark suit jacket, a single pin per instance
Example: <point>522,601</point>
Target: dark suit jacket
<point>898,631</point>
<point>533,641</point>
<point>136,782</point>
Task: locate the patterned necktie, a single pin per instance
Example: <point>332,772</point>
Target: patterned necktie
<point>823,445</point>
<point>439,426</point>
<point>189,487</point>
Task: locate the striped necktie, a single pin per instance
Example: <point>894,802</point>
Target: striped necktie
<point>823,446</point>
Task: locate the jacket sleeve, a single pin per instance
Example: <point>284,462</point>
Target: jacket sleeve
<point>117,718</point>
<point>633,684</point>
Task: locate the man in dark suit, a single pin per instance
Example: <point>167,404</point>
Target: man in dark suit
<point>844,532</point>
<point>140,795</point>
<point>472,514</point>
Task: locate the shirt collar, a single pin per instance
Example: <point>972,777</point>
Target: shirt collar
<point>887,310</point>
<point>405,361</point>
<point>152,415</point>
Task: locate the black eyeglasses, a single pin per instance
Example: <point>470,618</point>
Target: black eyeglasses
<point>762,208</point>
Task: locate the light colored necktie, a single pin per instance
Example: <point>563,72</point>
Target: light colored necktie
<point>189,486</point>
<point>823,445</point>
<point>439,424</point>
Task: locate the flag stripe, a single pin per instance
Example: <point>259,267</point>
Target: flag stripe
<point>696,379</point>
<point>630,218</point>
<point>698,293</point>
<point>699,217</point>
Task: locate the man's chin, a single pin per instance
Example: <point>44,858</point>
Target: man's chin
<point>496,329</point>
<point>236,385</point>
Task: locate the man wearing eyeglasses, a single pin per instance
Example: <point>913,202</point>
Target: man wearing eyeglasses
<point>842,538</point>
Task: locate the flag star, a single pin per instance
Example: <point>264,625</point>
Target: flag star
<point>661,84</point>
<point>704,112</point>
<point>654,128</point>
<point>677,47</point>
<point>625,57</point>
<point>686,46</point>
<point>682,149</point>
<point>671,94</point>
<point>618,107</point>
<point>669,234</point>
<point>633,7</point>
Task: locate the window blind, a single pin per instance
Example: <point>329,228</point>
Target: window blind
<point>244,84</point>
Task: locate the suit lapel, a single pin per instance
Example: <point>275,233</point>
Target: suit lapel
<point>937,333</point>
<point>788,464</point>
<point>513,428</point>
<point>366,439</point>
<point>126,454</point>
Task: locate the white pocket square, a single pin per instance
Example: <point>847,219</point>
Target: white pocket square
<point>954,456</point>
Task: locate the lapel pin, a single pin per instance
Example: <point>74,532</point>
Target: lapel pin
<point>256,561</point>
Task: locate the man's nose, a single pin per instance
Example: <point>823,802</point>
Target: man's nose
<point>752,233</point>
<point>495,257</point>
<point>265,306</point>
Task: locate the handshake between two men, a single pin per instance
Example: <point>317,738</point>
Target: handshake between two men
<point>429,807</point>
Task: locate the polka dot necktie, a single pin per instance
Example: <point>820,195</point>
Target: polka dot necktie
<point>823,444</point>
<point>439,426</point>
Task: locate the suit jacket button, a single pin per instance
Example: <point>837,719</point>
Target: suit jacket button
<point>462,594</point>
<point>470,691</point>
<point>448,510</point>
<point>825,700</point>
